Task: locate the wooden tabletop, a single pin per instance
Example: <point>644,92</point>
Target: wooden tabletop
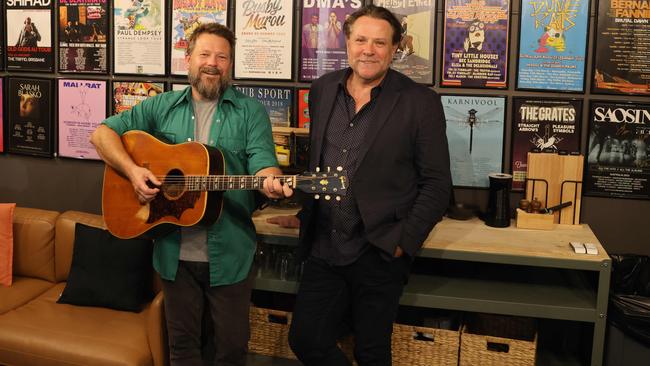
<point>476,237</point>
<point>264,228</point>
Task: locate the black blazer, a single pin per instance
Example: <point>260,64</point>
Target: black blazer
<point>403,182</point>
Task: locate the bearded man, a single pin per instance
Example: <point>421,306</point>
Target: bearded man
<point>204,264</point>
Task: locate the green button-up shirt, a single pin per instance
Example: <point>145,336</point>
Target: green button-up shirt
<point>242,131</point>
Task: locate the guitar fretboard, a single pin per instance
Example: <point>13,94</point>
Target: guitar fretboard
<point>230,182</point>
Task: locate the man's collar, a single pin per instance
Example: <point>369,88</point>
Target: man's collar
<point>228,95</point>
<point>375,90</point>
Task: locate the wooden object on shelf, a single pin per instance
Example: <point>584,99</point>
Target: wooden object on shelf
<point>556,169</point>
<point>289,130</point>
<point>538,221</point>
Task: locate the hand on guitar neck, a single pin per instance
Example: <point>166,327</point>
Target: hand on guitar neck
<point>273,187</point>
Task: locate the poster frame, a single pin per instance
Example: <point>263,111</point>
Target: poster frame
<point>111,107</point>
<point>165,43</point>
<point>504,97</point>
<point>292,50</point>
<point>585,52</point>
<point>506,71</point>
<point>109,54</point>
<point>5,44</point>
<point>49,151</point>
<point>594,58</point>
<point>586,172</point>
<point>58,108</point>
<point>579,122</point>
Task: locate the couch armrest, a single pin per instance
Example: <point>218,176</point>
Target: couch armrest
<point>156,332</point>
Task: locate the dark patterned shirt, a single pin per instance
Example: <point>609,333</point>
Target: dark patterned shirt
<point>340,238</point>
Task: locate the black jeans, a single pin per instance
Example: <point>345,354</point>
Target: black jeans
<point>228,305</point>
<point>367,291</point>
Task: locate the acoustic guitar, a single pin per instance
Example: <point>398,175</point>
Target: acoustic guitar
<point>193,179</point>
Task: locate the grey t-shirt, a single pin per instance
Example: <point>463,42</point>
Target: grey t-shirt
<point>194,240</point>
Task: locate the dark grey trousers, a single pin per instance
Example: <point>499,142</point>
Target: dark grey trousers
<point>228,306</point>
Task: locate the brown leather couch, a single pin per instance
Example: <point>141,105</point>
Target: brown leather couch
<point>35,330</point>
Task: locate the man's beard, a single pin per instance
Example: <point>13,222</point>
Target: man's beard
<point>210,91</point>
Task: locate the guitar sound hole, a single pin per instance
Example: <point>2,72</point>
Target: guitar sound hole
<point>174,184</point>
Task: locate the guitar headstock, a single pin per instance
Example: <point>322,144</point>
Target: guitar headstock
<point>324,183</point>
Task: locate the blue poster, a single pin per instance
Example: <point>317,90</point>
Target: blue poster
<point>553,45</point>
<point>277,101</point>
<point>475,128</point>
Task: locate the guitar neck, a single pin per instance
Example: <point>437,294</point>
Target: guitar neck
<point>231,182</point>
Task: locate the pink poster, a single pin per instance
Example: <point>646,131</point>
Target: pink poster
<point>2,148</point>
<point>82,107</point>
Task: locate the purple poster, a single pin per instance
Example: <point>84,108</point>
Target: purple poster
<point>475,51</point>
<point>82,107</point>
<point>321,36</point>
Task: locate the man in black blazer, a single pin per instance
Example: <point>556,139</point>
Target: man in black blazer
<point>388,133</point>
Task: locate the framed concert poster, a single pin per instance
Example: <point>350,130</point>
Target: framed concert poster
<point>82,107</point>
<point>264,47</point>
<point>2,39</point>
<point>618,152</point>
<point>2,126</point>
<point>29,36</point>
<point>126,94</point>
<point>553,45</point>
<point>139,37</point>
<point>277,101</point>
<point>475,49</point>
<point>415,53</point>
<point>83,36</point>
<point>321,36</point>
<point>621,62</point>
<point>540,124</point>
<point>29,122</point>
<point>303,108</point>
<point>475,131</point>
<point>186,16</point>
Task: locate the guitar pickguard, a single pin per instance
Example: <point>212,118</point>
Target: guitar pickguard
<point>161,206</point>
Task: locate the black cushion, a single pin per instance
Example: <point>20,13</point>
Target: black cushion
<point>108,272</point>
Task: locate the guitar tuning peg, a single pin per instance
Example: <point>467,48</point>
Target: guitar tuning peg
<point>317,169</point>
<point>339,168</point>
<point>327,197</point>
<point>316,196</point>
<point>328,169</point>
<point>338,198</point>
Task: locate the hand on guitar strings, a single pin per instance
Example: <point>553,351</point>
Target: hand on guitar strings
<point>273,188</point>
<point>144,184</point>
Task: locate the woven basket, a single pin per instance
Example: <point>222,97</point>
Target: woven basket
<point>498,340</point>
<point>415,346</point>
<point>270,333</point>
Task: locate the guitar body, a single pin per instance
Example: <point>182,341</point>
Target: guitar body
<point>126,217</point>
